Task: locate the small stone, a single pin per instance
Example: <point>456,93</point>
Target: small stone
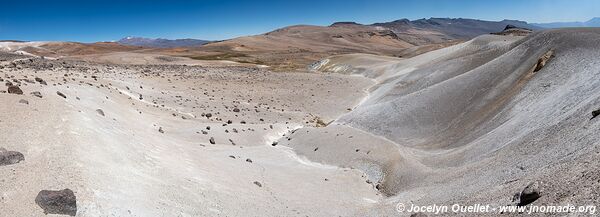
<point>61,202</point>
<point>274,143</point>
<point>41,81</point>
<point>160,130</point>
<point>212,140</point>
<point>257,184</point>
<point>10,157</point>
<point>37,94</point>
<point>236,110</point>
<point>24,101</point>
<point>61,94</point>
<point>100,112</point>
<point>12,89</point>
<point>249,160</point>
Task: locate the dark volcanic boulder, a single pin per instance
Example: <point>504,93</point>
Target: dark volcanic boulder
<point>14,89</point>
<point>595,113</point>
<point>61,202</point>
<point>529,194</point>
<point>10,157</point>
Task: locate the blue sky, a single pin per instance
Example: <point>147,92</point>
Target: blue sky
<point>91,20</point>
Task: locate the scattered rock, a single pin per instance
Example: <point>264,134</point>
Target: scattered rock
<point>41,81</point>
<point>24,101</point>
<point>212,140</point>
<point>595,114</point>
<point>12,89</point>
<point>257,184</point>
<point>160,130</point>
<point>37,94</point>
<point>529,194</point>
<point>10,157</point>
<point>61,94</point>
<point>236,110</point>
<point>61,202</point>
<point>248,160</point>
<point>274,143</point>
<point>100,112</point>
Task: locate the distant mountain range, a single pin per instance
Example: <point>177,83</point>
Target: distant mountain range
<point>433,30</point>
<point>594,22</point>
<point>455,27</point>
<point>161,43</point>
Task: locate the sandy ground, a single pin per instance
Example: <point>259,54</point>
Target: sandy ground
<point>120,164</point>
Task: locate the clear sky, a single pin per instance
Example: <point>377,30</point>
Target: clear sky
<point>93,20</point>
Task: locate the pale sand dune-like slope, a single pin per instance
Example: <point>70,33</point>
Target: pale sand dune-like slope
<point>474,123</point>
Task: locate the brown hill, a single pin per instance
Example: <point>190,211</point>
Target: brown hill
<point>296,46</point>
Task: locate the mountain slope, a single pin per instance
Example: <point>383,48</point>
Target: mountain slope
<point>443,29</point>
<point>297,46</point>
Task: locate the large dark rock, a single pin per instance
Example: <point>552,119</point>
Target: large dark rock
<point>15,90</point>
<point>595,113</point>
<point>529,194</point>
<point>10,157</point>
<point>61,202</point>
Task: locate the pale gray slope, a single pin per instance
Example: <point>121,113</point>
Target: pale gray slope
<point>476,123</point>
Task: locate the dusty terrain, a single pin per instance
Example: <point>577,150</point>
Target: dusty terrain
<point>475,122</point>
<point>136,140</point>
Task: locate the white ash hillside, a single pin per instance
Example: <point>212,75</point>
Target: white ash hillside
<point>475,123</point>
